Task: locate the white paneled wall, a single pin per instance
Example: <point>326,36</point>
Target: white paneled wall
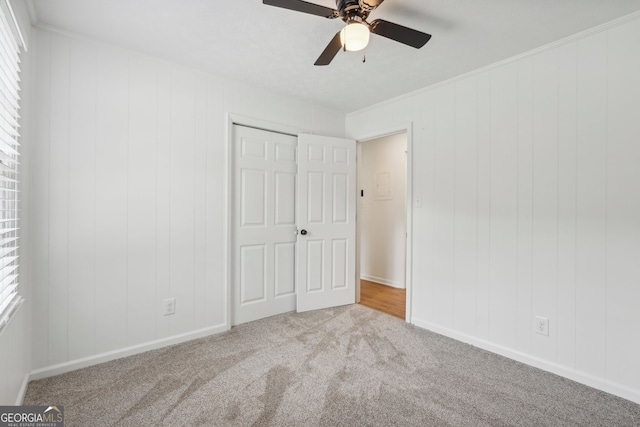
<point>128,191</point>
<point>529,177</point>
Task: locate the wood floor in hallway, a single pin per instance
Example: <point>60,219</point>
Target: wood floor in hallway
<point>383,298</point>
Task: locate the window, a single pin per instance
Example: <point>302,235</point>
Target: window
<point>10,44</point>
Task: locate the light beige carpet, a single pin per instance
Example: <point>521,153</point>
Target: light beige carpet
<point>349,366</point>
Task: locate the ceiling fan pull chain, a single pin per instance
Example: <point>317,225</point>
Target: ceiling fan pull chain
<point>364,57</point>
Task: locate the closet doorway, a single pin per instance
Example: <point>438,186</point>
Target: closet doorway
<point>292,222</point>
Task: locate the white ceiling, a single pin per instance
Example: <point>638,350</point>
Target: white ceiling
<point>274,49</point>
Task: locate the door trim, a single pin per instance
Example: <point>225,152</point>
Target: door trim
<point>407,128</point>
<point>241,120</point>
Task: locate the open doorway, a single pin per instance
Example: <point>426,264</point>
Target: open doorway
<point>382,223</point>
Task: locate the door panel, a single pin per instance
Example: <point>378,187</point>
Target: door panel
<point>314,266</point>
<point>340,198</point>
<point>253,147</point>
<point>315,197</point>
<point>252,273</point>
<point>285,204</point>
<point>254,198</point>
<point>285,153</point>
<point>326,203</point>
<point>263,224</point>
<point>316,153</point>
<point>339,268</point>
<point>285,279</point>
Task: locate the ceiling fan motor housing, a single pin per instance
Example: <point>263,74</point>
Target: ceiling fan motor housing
<point>350,10</point>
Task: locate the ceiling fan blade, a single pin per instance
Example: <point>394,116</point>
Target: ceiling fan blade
<point>330,51</point>
<point>304,7</point>
<point>399,33</point>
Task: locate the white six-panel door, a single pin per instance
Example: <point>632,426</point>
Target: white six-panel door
<point>327,214</point>
<point>263,224</point>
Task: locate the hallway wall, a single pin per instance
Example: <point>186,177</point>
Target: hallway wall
<point>383,218</point>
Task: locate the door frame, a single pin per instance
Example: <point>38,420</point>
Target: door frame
<point>407,128</point>
<point>241,120</point>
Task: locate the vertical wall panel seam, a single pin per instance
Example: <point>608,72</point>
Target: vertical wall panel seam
<point>126,209</point>
<point>195,195</point>
<point>517,278</point>
<point>489,282</point>
<point>48,233</point>
<point>95,198</point>
<point>154,310</point>
<point>68,189</point>
<point>531,200</point>
<point>455,181</point>
<point>157,124</point>
<point>477,141</point>
<point>533,164</point>
<point>606,206</point>
<point>555,335</point>
<point>432,135</point>
<point>477,195</point>
<point>575,214</point>
<point>169,171</point>
<point>206,198</point>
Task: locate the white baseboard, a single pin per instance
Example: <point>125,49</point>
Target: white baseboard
<point>23,390</point>
<point>124,352</point>
<point>392,283</point>
<point>570,373</point>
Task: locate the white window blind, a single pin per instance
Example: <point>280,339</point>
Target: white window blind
<point>10,44</point>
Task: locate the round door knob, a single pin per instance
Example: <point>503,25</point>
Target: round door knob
<point>303,232</point>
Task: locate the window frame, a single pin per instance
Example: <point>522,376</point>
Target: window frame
<point>12,45</point>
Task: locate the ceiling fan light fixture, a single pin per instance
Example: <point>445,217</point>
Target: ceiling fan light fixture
<point>354,36</point>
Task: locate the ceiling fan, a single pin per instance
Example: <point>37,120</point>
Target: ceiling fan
<point>355,35</point>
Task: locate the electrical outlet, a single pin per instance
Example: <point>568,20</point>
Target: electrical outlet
<point>541,325</point>
<point>169,306</point>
